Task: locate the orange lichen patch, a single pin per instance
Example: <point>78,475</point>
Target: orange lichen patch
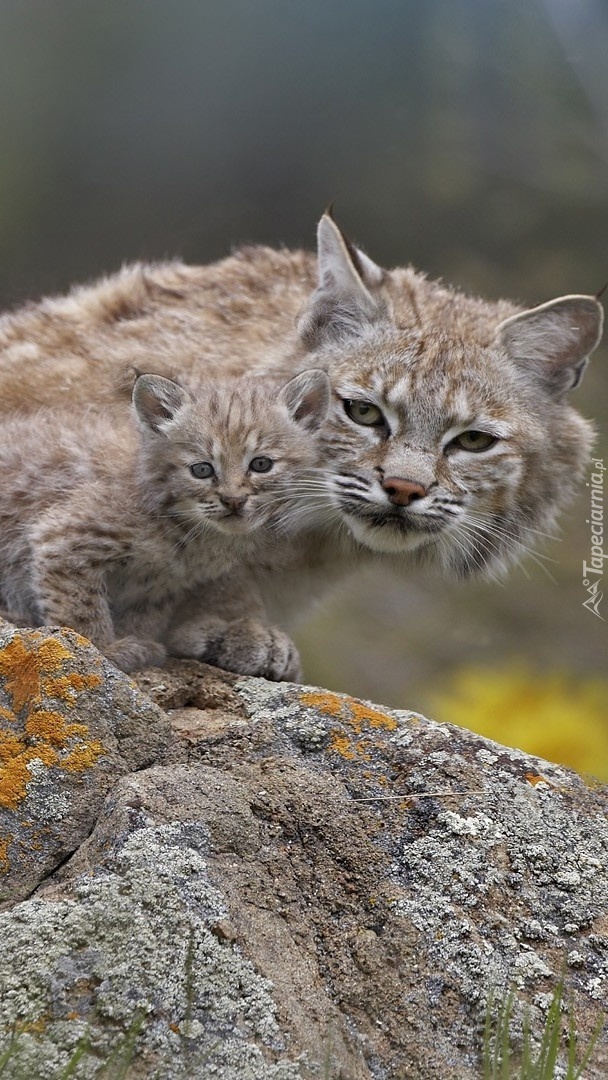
<point>21,668</point>
<point>83,757</point>
<point>46,735</point>
<point>347,708</point>
<point>52,653</point>
<point>52,727</point>
<point>24,668</point>
<point>354,715</point>
<point>362,714</point>
<point>4,863</point>
<point>535,778</point>
<point>13,770</point>
<point>348,749</point>
<point>67,687</point>
<point>326,702</point>
<point>9,743</point>
<point>15,756</point>
<point>32,668</point>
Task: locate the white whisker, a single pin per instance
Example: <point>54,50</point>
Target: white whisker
<point>512,546</point>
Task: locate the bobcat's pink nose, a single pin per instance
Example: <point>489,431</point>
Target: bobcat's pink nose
<point>402,492</point>
<point>233,502</point>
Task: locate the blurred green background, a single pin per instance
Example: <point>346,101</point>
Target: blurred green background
<point>469,137</point>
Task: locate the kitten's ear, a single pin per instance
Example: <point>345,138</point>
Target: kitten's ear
<point>347,299</point>
<point>156,399</point>
<point>307,398</point>
<point>555,339</point>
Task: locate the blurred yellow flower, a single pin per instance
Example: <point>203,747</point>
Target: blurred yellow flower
<point>552,715</point>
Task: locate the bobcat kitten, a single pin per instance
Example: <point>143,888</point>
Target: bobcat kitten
<point>110,529</point>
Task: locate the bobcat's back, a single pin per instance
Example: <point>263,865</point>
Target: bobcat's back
<point>232,317</point>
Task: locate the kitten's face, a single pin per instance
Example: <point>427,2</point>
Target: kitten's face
<point>229,457</point>
<point>230,472</point>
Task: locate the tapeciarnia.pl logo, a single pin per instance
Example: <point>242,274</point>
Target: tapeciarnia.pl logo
<point>593,571</point>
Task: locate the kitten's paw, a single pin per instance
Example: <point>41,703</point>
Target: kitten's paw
<point>131,653</point>
<point>248,647</point>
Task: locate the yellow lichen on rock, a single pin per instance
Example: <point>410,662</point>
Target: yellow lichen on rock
<point>14,759</point>
<point>536,778</point>
<point>324,701</point>
<point>346,748</point>
<point>31,670</point>
<point>353,712</point>
<point>364,714</point>
<point>67,687</point>
<point>354,715</point>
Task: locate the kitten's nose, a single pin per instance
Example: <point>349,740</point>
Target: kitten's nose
<point>233,502</point>
<point>402,492</point>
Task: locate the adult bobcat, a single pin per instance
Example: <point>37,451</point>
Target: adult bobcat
<point>449,441</point>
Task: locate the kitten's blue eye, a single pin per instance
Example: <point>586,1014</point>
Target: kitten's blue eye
<point>261,464</point>
<point>202,470</point>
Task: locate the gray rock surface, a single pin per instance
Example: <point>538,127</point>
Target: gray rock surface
<point>70,726</point>
<point>301,885</point>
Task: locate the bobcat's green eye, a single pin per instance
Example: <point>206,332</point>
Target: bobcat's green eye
<point>202,470</point>
<point>363,412</point>
<point>474,440</point>
<point>261,464</point>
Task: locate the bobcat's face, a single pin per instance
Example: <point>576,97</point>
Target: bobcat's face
<point>454,444</point>
<point>424,461</point>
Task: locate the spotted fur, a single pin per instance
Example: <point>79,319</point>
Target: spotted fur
<point>108,531</point>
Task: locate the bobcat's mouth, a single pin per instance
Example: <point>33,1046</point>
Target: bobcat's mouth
<point>379,524</point>
<point>232,524</point>
<point>389,530</point>
<point>400,520</point>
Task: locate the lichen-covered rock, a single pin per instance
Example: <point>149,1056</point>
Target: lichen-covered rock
<point>308,885</point>
<point>70,726</point>
<point>140,940</point>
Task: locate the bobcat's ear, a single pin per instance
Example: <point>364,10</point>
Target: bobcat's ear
<point>156,399</point>
<point>307,398</point>
<point>556,339</point>
<point>347,298</point>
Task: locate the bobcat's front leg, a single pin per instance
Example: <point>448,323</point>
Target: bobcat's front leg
<point>69,584</point>
<point>224,625</point>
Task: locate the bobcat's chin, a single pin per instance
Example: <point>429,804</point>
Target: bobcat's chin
<point>387,538</point>
<point>235,525</point>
